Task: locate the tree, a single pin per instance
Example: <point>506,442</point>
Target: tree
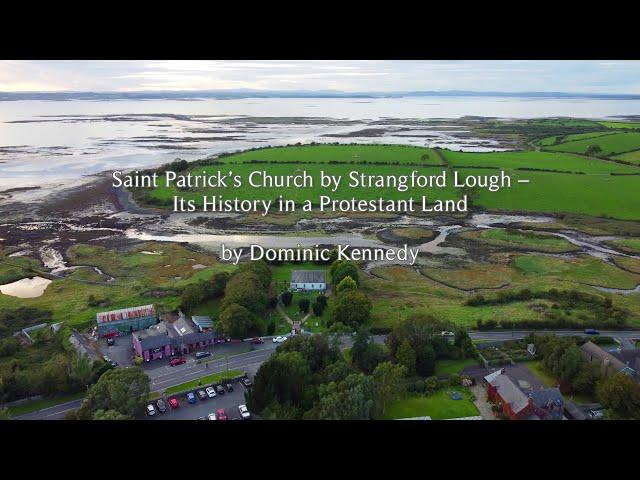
<point>406,356</point>
<point>593,150</point>
<point>55,376</point>
<point>260,269</point>
<point>346,284</point>
<point>620,395</point>
<point>425,360</point>
<point>317,308</point>
<point>192,296</point>
<point>285,379</point>
<point>82,371</point>
<point>387,378</point>
<point>341,269</point>
<point>464,344</point>
<point>4,414</point>
<point>365,353</point>
<point>124,390</point>
<point>586,379</point>
<point>236,321</point>
<point>418,328</point>
<point>321,299</point>
<point>303,304</point>
<point>217,284</point>
<point>351,399</point>
<point>351,308</point>
<point>109,415</point>
<point>569,363</point>
<point>286,297</point>
<point>245,289</point>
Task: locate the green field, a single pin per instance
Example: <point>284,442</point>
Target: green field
<point>438,406</point>
<point>567,183</point>
<point>16,268</point>
<point>450,367</point>
<point>522,239</point>
<point>610,144</point>
<point>631,157</point>
<point>628,245</point>
<point>139,279</point>
<point>548,141</point>
<point>625,125</point>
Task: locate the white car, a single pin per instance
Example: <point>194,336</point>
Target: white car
<point>244,412</point>
<point>211,392</point>
<point>211,416</point>
<point>444,333</point>
<point>279,339</point>
<point>151,411</point>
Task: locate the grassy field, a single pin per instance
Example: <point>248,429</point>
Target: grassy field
<point>450,367</point>
<point>202,382</point>
<point>580,191</point>
<point>438,406</point>
<point>628,245</point>
<point>522,240</point>
<point>139,279</point>
<point>540,371</point>
<point>610,144</point>
<point>16,268</point>
<point>631,157</point>
<point>415,234</point>
<point>624,125</point>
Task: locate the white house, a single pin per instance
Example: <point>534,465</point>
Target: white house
<point>308,280</point>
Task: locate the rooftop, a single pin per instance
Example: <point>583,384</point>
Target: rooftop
<point>308,276</point>
<point>126,314</point>
<point>596,352</point>
<point>510,392</point>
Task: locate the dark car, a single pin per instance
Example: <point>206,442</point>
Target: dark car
<point>202,395</point>
<point>111,342</point>
<point>162,407</point>
<point>191,398</point>
<point>256,341</point>
<point>247,382</point>
<point>114,364</point>
<point>219,389</point>
<point>229,387</point>
<point>201,355</point>
<point>591,331</point>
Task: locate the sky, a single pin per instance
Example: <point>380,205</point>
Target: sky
<point>606,76</point>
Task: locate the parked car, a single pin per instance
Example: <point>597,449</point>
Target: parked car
<point>202,395</point>
<point>151,411</point>
<point>201,418</point>
<point>279,339</point>
<point>244,412</point>
<point>111,342</point>
<point>219,389</point>
<point>114,364</point>
<point>191,398</point>
<point>173,402</point>
<point>177,361</point>
<point>221,415</point>
<point>201,355</point>
<point>212,416</point>
<point>162,407</point>
<point>229,387</point>
<point>211,392</point>
<point>246,381</point>
<point>106,358</point>
<point>446,333</point>
<point>256,341</point>
<point>591,331</point>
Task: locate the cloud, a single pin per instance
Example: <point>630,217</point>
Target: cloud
<point>363,75</point>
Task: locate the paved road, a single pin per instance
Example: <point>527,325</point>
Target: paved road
<point>239,358</point>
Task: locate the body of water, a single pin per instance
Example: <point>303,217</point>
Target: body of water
<point>61,141</point>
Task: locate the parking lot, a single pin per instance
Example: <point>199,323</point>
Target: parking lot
<point>229,401</point>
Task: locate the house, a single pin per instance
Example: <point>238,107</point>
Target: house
<point>502,390</point>
<point>609,363</point>
<point>167,339</point>
<point>523,404</point>
<point>308,280</point>
<point>125,321</point>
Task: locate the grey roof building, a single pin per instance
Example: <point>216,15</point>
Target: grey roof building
<point>308,276</point>
<point>609,363</point>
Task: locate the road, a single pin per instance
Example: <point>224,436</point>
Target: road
<point>238,357</point>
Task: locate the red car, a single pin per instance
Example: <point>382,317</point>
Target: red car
<point>221,415</point>
<point>257,340</point>
<point>177,361</point>
<point>173,402</point>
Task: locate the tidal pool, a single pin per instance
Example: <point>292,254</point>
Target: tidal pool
<point>26,288</point>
